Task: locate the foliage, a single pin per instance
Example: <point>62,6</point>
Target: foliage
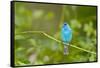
<point>37,33</point>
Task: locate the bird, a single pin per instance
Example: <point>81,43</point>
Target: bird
<point>66,36</point>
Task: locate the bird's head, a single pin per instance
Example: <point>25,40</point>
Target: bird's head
<point>66,26</point>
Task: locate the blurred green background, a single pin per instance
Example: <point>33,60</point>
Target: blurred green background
<point>37,49</point>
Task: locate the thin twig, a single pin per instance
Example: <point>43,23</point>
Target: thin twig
<point>56,40</point>
<point>62,15</point>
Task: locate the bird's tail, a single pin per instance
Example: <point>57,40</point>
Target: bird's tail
<point>66,52</point>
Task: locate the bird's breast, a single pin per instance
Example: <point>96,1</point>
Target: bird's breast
<point>66,36</point>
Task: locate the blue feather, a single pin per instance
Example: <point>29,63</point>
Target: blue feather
<point>66,33</point>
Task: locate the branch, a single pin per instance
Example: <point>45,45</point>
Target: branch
<point>56,40</point>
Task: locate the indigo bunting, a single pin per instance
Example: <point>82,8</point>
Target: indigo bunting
<point>66,36</point>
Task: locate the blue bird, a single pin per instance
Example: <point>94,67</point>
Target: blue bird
<point>66,36</point>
